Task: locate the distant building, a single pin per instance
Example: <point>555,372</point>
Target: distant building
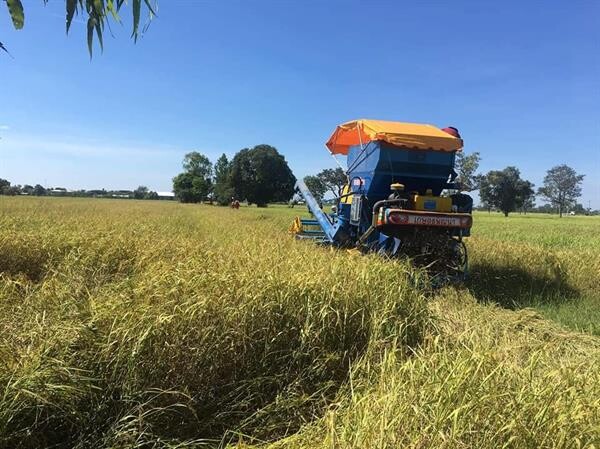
<point>165,195</point>
<point>58,191</point>
<point>122,194</point>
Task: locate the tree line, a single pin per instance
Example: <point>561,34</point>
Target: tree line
<point>506,191</point>
<point>502,190</point>
<point>258,175</point>
<point>140,193</point>
<point>261,175</point>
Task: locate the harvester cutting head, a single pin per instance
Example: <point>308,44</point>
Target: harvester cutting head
<point>401,198</point>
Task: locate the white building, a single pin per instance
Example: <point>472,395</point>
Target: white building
<point>166,195</point>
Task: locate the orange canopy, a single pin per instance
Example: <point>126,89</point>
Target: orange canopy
<point>407,135</point>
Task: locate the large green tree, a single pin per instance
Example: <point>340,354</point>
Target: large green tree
<point>261,175</point>
<point>223,191</point>
<point>141,192</point>
<point>195,183</point>
<point>465,167</point>
<point>333,179</point>
<point>7,189</point>
<point>39,190</point>
<point>562,187</point>
<point>144,193</point>
<point>316,186</point>
<point>197,164</point>
<point>98,13</point>
<point>4,186</point>
<point>505,190</point>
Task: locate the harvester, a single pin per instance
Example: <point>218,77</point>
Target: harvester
<point>401,197</point>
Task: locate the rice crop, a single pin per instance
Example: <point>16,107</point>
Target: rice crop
<point>130,324</point>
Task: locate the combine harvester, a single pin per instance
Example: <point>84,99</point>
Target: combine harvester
<point>398,201</point>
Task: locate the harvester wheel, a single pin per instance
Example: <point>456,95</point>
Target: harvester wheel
<point>460,260</point>
<point>450,265</point>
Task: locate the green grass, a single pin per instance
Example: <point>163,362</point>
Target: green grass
<point>155,324</point>
<point>551,264</point>
<point>548,231</point>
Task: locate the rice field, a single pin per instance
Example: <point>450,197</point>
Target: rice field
<point>144,324</point>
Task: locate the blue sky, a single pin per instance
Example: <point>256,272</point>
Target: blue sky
<point>521,80</point>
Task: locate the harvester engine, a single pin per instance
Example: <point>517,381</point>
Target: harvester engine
<point>401,199</point>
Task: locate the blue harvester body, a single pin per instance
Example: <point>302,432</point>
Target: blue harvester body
<point>393,203</point>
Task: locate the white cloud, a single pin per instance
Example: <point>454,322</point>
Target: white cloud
<point>84,148</point>
<point>4,127</point>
